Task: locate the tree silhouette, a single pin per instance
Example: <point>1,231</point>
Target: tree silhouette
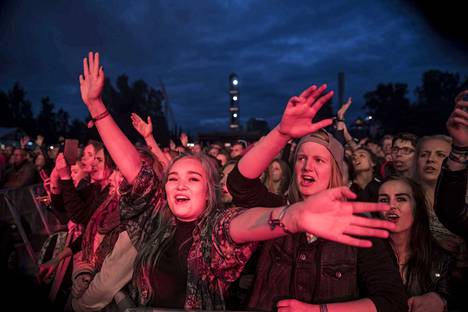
<point>139,98</point>
<point>16,109</point>
<point>435,100</point>
<point>389,104</point>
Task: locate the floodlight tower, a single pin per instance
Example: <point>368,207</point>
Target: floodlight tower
<point>234,96</point>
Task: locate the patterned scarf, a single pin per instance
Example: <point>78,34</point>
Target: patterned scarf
<point>105,221</point>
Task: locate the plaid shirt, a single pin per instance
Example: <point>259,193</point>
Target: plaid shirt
<point>214,260</point>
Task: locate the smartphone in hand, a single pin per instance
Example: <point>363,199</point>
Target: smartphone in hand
<point>70,151</point>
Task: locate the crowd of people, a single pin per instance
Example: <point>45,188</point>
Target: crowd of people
<point>304,219</point>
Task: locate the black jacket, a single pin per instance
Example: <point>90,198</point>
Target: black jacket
<point>449,201</point>
<point>319,272</point>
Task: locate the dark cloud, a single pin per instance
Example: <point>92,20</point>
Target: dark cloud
<point>277,48</point>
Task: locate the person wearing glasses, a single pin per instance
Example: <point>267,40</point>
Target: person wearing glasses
<point>403,154</point>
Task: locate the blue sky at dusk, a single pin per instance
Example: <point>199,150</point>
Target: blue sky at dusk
<point>277,48</point>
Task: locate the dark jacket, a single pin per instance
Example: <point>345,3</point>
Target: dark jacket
<point>439,282</point>
<point>449,201</point>
<point>318,272</point>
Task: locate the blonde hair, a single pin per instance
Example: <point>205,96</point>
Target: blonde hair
<point>336,178</point>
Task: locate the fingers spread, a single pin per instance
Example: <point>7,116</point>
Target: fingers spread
<point>373,223</point>
<point>96,68</point>
<point>306,93</point>
<point>315,94</point>
<point>317,104</point>
<point>365,231</point>
<point>352,241</point>
<point>360,207</point>
<point>91,62</point>
<point>85,68</point>
<point>343,193</point>
<point>321,124</point>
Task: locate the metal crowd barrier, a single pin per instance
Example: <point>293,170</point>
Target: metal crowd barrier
<point>27,208</point>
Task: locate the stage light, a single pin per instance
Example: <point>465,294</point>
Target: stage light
<point>234,97</point>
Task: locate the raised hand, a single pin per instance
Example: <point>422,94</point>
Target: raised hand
<point>342,111</point>
<point>328,215</point>
<point>92,80</point>
<point>457,124</point>
<point>297,117</point>
<point>145,129</point>
<point>184,139</point>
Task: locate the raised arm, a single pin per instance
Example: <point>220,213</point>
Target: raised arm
<point>295,123</point>
<point>326,214</point>
<point>145,129</point>
<point>122,151</point>
<point>341,124</point>
<point>449,201</point>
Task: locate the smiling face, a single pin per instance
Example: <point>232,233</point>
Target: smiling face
<point>186,189</point>
<point>398,195</point>
<point>313,168</point>
<point>430,156</point>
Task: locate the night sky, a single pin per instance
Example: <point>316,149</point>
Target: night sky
<point>277,48</point>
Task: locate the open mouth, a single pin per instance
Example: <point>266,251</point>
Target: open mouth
<point>430,169</point>
<point>307,179</point>
<point>392,217</point>
<point>181,199</point>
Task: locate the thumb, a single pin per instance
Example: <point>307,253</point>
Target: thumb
<point>149,121</point>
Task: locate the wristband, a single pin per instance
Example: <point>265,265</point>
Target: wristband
<point>93,120</point>
<point>277,222</point>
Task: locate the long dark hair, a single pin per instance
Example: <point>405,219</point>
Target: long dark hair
<point>163,226</point>
<point>418,267</point>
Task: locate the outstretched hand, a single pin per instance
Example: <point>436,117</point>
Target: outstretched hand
<point>184,139</point>
<point>457,124</point>
<point>145,129</point>
<point>328,215</point>
<point>92,80</point>
<point>297,117</point>
<point>342,111</point>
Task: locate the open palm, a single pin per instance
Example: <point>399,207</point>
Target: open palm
<point>92,80</point>
<point>300,110</point>
<point>328,215</point>
<point>143,128</point>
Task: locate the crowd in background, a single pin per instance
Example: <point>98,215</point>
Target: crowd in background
<point>305,219</point>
